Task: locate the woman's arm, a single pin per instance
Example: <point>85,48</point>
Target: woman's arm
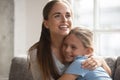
<point>92,62</point>
<point>106,67</point>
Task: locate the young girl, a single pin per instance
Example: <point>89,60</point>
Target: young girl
<point>76,46</point>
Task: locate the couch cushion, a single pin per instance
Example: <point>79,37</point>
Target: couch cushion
<point>19,69</point>
<point>111,62</point>
<point>117,70</point>
<point>117,73</point>
<point>118,61</point>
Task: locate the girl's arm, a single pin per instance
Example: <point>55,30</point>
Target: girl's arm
<point>74,70</point>
<point>68,77</point>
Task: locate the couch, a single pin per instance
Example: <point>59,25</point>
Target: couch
<point>19,69</point>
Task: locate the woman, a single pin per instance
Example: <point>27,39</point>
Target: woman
<point>45,57</point>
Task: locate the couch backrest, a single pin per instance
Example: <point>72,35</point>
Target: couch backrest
<point>111,61</point>
<point>117,70</point>
<point>19,69</point>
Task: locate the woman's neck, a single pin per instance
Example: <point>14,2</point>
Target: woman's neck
<point>56,46</point>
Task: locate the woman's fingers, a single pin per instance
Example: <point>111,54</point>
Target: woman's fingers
<point>91,63</point>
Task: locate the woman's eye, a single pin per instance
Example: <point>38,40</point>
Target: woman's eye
<point>57,16</point>
<point>68,16</point>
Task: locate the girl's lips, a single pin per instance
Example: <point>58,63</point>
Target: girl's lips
<point>69,56</point>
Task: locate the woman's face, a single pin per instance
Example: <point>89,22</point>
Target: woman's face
<point>59,19</point>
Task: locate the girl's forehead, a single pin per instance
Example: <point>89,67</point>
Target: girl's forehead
<point>70,37</point>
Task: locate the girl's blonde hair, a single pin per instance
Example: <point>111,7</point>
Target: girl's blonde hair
<point>84,34</point>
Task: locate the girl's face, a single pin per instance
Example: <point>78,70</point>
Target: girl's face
<point>72,47</point>
<point>59,20</point>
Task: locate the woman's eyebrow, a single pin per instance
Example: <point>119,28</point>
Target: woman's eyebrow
<point>60,13</point>
<point>56,13</point>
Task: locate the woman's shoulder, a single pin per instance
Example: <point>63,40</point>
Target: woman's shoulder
<point>34,65</point>
<point>32,52</point>
<point>34,47</point>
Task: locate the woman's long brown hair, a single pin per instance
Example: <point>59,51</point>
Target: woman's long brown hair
<point>44,52</point>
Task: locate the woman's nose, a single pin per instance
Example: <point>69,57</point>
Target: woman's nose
<point>64,18</point>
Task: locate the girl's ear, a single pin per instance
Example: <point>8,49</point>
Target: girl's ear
<point>46,24</point>
<point>89,51</point>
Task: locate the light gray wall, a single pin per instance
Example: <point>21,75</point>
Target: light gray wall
<point>28,19</point>
<point>6,36</point>
<point>20,27</point>
<point>33,20</point>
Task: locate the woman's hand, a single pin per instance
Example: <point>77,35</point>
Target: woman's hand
<point>93,62</point>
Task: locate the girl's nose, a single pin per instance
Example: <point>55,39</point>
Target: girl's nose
<point>67,49</point>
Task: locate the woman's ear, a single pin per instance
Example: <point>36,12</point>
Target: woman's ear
<point>46,24</point>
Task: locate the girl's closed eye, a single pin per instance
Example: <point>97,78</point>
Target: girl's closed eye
<point>73,47</point>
